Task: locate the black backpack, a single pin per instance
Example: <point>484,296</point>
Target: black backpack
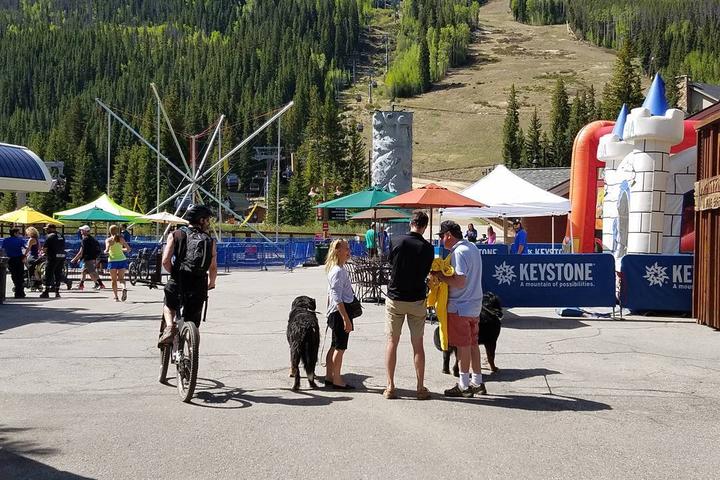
<point>195,252</point>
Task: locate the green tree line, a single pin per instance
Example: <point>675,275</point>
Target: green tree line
<point>434,35</point>
<point>241,58</point>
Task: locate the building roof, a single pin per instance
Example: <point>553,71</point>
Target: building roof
<point>545,178</point>
<point>712,91</point>
<point>706,115</point>
<point>22,170</point>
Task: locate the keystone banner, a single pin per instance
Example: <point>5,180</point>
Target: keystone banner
<point>544,248</point>
<point>495,249</point>
<point>568,280</point>
<point>657,282</point>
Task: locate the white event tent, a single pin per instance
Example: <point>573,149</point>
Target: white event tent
<point>507,195</point>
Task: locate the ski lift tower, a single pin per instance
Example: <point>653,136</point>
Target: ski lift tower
<point>269,155</point>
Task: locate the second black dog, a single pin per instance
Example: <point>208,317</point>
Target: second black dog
<point>489,331</point>
<point>303,335</point>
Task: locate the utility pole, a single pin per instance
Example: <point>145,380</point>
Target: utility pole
<point>108,154</point>
<point>277,192</point>
<point>157,173</point>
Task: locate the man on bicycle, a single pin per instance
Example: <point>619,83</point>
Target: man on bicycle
<point>190,256</point>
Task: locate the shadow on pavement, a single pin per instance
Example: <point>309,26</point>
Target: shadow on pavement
<point>510,320</point>
<point>215,394</point>
<point>514,374</point>
<point>13,463</point>
<point>19,314</point>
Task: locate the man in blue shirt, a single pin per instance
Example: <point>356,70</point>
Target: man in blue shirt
<point>465,298</point>
<point>13,246</point>
<point>519,245</point>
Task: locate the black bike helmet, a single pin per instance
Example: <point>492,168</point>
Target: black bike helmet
<point>195,212</point>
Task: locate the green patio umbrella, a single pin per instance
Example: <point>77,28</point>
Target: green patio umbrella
<point>363,199</point>
<point>95,214</point>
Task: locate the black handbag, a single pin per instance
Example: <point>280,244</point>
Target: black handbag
<point>354,308</point>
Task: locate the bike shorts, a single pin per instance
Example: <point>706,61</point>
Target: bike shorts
<point>188,300</point>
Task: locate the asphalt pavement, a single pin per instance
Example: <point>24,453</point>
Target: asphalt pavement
<point>574,398</point>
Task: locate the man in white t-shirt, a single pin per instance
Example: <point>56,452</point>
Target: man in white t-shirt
<point>464,306</point>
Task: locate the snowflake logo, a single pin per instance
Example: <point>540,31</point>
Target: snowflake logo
<point>504,273</point>
<point>656,275</point>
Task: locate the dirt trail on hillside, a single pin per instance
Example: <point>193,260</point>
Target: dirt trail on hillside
<point>458,125</point>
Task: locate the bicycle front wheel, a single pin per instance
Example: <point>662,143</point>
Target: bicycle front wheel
<point>187,367</point>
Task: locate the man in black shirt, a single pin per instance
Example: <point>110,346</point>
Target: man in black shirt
<point>54,248</point>
<point>411,257</point>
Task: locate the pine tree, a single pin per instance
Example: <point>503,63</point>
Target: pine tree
<point>82,186</point>
<point>8,202</point>
<point>297,205</point>
<point>591,107</point>
<point>559,125</point>
<point>578,117</point>
<point>424,62</point>
<point>546,151</point>
<point>624,86</point>
<point>533,147</point>
<point>357,159</point>
<point>512,149</point>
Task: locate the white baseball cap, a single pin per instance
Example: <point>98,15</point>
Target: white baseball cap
<point>84,228</point>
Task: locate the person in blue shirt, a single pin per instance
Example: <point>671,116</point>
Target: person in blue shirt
<point>13,246</point>
<point>519,245</point>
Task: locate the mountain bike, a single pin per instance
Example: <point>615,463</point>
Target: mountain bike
<point>184,353</point>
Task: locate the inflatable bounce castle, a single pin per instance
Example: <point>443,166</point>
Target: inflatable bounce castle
<point>632,181</point>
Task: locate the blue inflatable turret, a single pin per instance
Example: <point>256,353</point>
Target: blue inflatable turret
<point>655,101</point>
<point>620,122</point>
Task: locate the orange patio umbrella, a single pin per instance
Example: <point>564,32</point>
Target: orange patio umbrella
<point>431,196</point>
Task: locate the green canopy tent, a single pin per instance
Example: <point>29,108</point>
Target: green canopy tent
<point>95,214</point>
<point>363,199</point>
<point>106,204</point>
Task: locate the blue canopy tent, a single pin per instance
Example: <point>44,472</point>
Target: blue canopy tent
<point>22,171</point>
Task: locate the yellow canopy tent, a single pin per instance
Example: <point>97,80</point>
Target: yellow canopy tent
<point>27,216</point>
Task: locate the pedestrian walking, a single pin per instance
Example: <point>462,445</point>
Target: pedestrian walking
<point>411,257</point>
<point>116,248</point>
<point>54,250</point>
<point>13,246</point>
<point>32,254</point>
<point>89,252</point>
<point>465,298</point>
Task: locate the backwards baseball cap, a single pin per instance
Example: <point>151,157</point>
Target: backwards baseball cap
<point>84,228</point>
<point>516,221</point>
<point>449,226</point>
<point>50,225</point>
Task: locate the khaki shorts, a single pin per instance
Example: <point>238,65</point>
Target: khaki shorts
<point>397,310</point>
<point>89,266</point>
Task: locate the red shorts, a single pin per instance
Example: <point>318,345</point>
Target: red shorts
<point>462,331</point>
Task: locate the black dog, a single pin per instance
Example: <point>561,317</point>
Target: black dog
<point>489,331</point>
<point>303,335</point>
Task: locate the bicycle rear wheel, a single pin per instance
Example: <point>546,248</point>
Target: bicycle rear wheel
<point>187,367</point>
<point>133,273</point>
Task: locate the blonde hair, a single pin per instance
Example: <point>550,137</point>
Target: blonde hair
<point>332,256</point>
<point>32,232</point>
<point>114,232</point>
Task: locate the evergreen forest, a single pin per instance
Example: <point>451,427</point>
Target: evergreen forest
<point>245,59</point>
